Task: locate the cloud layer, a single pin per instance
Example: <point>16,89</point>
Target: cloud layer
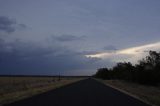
<point>29,58</point>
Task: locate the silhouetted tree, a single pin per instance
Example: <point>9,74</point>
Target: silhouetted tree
<point>102,73</point>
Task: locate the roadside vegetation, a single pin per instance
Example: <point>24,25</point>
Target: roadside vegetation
<point>17,88</point>
<point>141,80</point>
<point>147,71</point>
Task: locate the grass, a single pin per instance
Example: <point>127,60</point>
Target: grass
<point>16,88</point>
<point>148,94</point>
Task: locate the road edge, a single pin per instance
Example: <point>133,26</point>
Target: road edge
<point>125,92</point>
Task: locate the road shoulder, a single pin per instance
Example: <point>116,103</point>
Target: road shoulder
<point>140,92</point>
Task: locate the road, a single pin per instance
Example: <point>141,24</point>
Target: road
<point>88,92</point>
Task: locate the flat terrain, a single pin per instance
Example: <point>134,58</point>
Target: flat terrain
<point>87,92</point>
<point>13,88</point>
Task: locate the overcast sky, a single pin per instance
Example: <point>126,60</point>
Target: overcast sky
<point>75,37</point>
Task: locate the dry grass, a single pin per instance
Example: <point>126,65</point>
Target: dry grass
<point>148,94</point>
<point>16,88</point>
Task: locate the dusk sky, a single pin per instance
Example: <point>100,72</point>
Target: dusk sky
<point>75,37</point>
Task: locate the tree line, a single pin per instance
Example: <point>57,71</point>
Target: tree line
<point>147,71</point>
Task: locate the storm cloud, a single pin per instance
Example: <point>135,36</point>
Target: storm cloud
<point>29,58</point>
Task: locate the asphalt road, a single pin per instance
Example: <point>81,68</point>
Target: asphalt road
<point>87,92</point>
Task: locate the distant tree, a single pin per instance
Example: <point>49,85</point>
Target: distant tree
<point>102,73</point>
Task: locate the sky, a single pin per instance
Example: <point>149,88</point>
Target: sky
<point>75,37</point>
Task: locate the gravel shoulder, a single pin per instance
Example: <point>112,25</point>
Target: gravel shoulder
<point>147,94</point>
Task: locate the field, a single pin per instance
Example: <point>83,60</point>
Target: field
<point>148,94</point>
<point>13,88</point>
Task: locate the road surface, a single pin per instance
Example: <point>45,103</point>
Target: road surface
<point>87,92</point>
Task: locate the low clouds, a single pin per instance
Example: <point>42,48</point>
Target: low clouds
<point>29,58</point>
<point>9,25</point>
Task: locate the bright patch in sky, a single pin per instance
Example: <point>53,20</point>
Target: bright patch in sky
<point>134,53</point>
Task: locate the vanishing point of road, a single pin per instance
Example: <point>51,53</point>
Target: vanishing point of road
<point>88,92</point>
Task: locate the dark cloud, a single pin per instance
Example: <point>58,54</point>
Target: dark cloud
<point>22,26</point>
<point>67,38</point>
<point>89,52</point>
<point>6,24</point>
<point>110,48</point>
<point>9,25</point>
<point>28,58</point>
